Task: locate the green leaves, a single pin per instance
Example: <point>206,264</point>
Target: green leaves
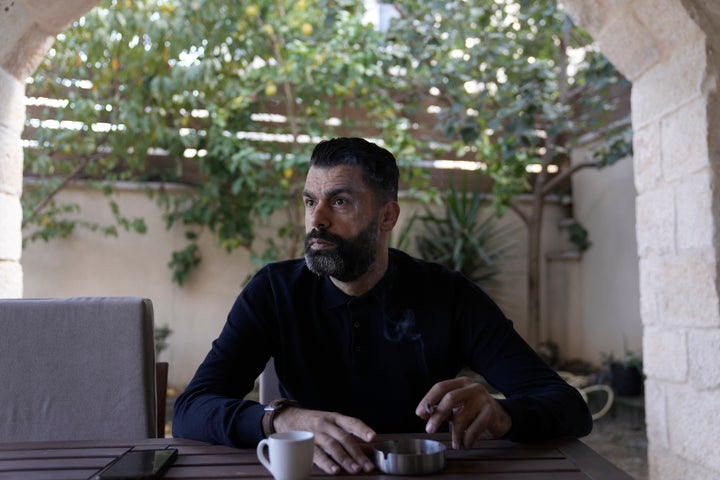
<point>467,237</point>
<point>183,262</point>
<point>223,97</point>
<point>520,84</point>
<point>229,99</point>
<point>617,148</point>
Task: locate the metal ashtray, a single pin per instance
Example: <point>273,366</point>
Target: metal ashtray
<point>409,456</point>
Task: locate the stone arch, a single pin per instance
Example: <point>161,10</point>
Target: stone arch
<point>669,51</point>
<point>28,30</point>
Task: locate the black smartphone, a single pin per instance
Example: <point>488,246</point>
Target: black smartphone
<point>139,464</point>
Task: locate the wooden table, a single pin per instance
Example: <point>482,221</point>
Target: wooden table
<point>488,460</point>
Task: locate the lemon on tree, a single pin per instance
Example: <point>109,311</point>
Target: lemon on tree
<point>252,10</point>
<point>270,89</point>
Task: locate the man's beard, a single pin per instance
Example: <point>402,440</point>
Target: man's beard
<point>348,260</point>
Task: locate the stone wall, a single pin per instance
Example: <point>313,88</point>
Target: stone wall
<point>668,50</point>
<point>27,30</point>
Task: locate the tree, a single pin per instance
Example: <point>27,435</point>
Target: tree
<point>516,85</point>
<point>229,99</point>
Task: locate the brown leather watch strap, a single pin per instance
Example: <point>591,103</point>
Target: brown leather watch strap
<point>271,410</point>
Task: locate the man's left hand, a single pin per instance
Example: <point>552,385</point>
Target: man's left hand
<point>470,409</point>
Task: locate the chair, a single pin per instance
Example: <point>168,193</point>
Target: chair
<point>269,384</point>
<point>161,382</point>
<point>77,369</point>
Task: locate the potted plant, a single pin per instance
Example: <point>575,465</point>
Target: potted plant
<point>467,237</point>
<point>626,375</point>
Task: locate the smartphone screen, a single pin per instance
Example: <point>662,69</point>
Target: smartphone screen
<point>140,464</point>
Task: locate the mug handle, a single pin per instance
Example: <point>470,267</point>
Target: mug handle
<point>261,453</point>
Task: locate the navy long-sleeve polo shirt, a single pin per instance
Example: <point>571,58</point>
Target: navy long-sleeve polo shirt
<point>372,357</point>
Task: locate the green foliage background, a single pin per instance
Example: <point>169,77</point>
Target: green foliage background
<point>147,81</point>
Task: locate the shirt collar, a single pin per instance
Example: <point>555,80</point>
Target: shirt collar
<point>333,297</point>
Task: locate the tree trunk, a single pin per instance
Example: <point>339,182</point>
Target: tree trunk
<point>533,271</point>
<point>534,226</point>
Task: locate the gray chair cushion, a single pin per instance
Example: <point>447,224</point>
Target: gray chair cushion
<point>76,369</point>
<point>269,384</point>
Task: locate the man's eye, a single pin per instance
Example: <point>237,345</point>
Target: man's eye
<point>340,202</point>
<point>309,202</point>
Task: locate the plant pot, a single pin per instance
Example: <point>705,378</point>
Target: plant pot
<point>626,380</point>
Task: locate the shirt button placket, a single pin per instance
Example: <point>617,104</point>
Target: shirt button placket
<point>356,326</point>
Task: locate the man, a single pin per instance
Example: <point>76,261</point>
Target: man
<point>367,339</point>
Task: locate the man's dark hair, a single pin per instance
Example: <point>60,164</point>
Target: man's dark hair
<point>380,170</point>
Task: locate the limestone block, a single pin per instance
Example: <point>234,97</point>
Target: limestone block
<point>713,118</point>
<point>696,223</point>
<point>665,465</point>
<point>694,426</point>
<point>12,109</point>
<point>647,157</point>
<point>14,22</point>
<point>28,53</point>
<point>11,163</point>
<point>10,225</point>
<point>650,311</point>
<point>671,24</point>
<point>704,365</point>
<point>686,288</point>
<point>655,221</point>
<point>10,166</point>
<point>711,6</point>
<point>665,354</point>
<point>656,412</point>
<point>589,15</point>
<point>54,16</point>
<point>705,13</point>
<point>684,136</point>
<point>669,85</point>
<point>626,42</point>
<point>11,280</point>
<point>23,43</point>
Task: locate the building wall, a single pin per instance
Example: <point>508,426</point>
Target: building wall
<point>88,263</point>
<point>668,50</point>
<point>609,300</point>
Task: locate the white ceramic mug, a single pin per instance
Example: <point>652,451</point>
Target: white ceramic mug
<point>291,455</point>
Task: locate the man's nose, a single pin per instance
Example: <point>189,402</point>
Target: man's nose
<point>318,217</point>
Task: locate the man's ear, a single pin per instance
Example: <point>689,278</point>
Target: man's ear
<point>389,214</point>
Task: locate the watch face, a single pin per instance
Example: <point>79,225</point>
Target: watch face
<point>277,404</point>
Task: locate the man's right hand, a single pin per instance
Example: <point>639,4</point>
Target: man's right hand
<point>338,438</point>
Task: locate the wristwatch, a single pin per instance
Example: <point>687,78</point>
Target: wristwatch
<point>271,410</point>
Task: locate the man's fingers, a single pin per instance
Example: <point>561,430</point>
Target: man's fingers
<point>325,463</point>
<point>341,447</point>
<point>442,412</point>
<point>435,395</point>
<point>337,438</point>
<point>478,428</point>
<point>457,432</point>
<point>345,456</point>
<point>355,427</point>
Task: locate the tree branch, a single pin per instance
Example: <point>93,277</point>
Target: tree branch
<point>516,208</point>
<point>277,43</point>
<point>75,172</point>
<point>565,174</point>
